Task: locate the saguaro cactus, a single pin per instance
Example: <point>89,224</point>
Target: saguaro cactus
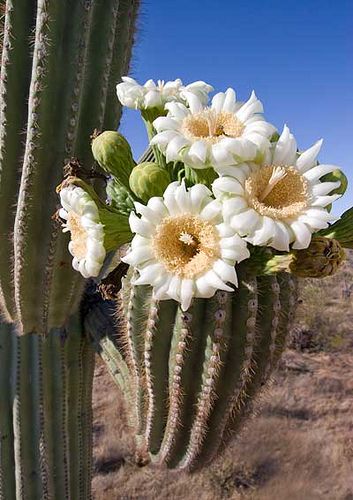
<point>219,241</point>
<point>60,63</point>
<point>190,378</point>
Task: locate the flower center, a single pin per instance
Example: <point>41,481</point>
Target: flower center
<point>186,245</point>
<point>212,126</point>
<point>278,192</point>
<point>78,235</point>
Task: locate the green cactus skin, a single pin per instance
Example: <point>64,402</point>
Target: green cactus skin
<point>45,418</point>
<point>193,377</point>
<point>58,87</point>
<point>149,179</point>
<point>60,64</point>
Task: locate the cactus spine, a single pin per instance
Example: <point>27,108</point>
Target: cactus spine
<point>60,64</point>
<point>45,418</point>
<point>193,376</point>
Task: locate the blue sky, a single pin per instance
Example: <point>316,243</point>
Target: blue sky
<point>296,55</point>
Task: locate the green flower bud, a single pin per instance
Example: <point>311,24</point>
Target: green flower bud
<point>119,197</point>
<point>148,179</point>
<point>113,153</point>
<point>336,175</point>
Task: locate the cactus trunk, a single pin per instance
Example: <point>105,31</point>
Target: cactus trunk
<point>194,376</point>
<point>45,414</point>
<point>61,60</point>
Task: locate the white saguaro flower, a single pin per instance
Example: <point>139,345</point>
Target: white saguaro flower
<point>87,233</point>
<point>218,136</point>
<point>182,246</point>
<point>281,201</point>
<point>154,95</point>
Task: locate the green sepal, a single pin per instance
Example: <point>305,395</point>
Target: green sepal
<point>342,230</point>
<point>336,175</point>
<point>200,176</point>
<point>116,229</point>
<point>151,114</point>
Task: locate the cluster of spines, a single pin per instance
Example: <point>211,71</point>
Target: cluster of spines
<point>176,394</point>
<point>216,350</point>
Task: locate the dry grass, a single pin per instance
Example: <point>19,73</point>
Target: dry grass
<point>300,447</point>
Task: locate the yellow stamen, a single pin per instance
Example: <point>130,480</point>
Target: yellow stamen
<point>187,245</point>
<point>78,235</point>
<point>277,192</point>
<point>212,126</point>
<point>277,175</point>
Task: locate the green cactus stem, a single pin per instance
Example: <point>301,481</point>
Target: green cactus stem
<point>60,64</point>
<point>193,376</point>
<point>45,416</point>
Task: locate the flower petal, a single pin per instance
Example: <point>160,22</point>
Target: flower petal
<point>308,158</point>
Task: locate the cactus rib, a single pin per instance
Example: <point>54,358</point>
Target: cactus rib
<point>14,82</point>
<point>197,373</point>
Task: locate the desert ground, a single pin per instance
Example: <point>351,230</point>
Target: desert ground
<point>298,447</point>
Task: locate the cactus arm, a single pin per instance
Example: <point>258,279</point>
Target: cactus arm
<point>156,357</point>
<point>186,363</point>
<point>40,167</point>
<point>218,329</point>
<point>124,38</point>
<point>7,459</point>
<point>96,75</point>
<point>15,68</point>
<point>64,284</point>
<point>100,325</point>
<point>237,366</point>
<point>27,424</point>
<point>86,420</point>
<point>288,301</point>
<point>137,315</point>
<point>54,381</point>
<point>267,302</point>
<point>116,365</point>
<point>268,314</point>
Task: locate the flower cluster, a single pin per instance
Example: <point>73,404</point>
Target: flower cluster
<point>221,182</point>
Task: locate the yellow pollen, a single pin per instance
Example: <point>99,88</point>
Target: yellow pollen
<point>78,235</point>
<point>277,192</point>
<point>212,126</point>
<point>186,245</point>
